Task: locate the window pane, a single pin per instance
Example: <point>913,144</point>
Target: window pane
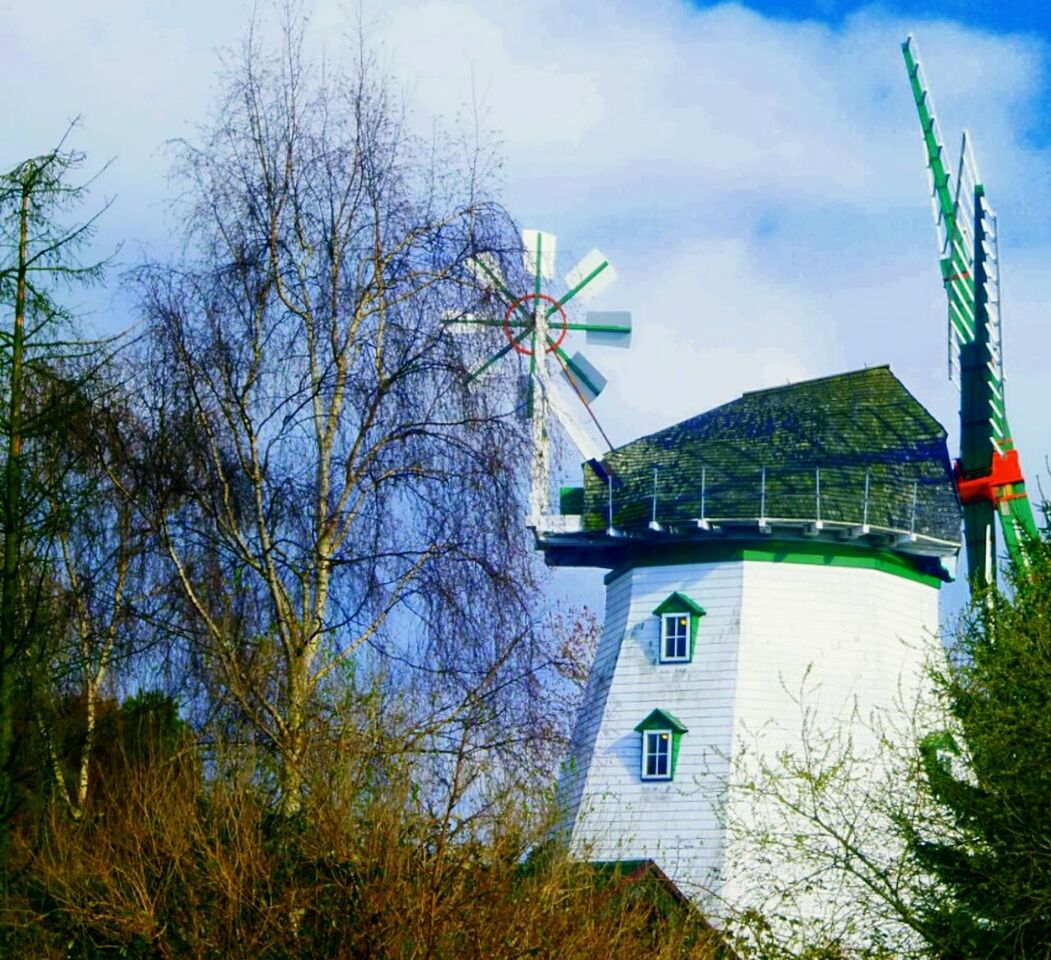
<point>675,631</point>
<point>652,747</point>
<point>656,753</point>
<point>663,744</point>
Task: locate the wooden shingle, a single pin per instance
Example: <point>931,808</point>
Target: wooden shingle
<point>847,448</point>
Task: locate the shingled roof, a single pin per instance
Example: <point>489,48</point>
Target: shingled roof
<point>853,448</point>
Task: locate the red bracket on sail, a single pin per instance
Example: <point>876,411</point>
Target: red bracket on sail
<point>1005,471</point>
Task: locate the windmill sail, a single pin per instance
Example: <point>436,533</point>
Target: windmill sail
<point>534,325</point>
<point>538,253</point>
<point>989,477</point>
<point>583,377</point>
<point>589,277</point>
<point>610,328</point>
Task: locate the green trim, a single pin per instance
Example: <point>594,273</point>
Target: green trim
<point>502,287</point>
<point>519,324</point>
<point>537,280</point>
<point>570,294</point>
<point>574,368</point>
<point>484,322</point>
<point>659,721</point>
<point>918,569</point>
<point>598,327</point>
<point>571,501</point>
<point>496,356</point>
<point>679,603</point>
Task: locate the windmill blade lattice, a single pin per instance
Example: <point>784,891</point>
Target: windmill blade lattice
<point>989,477</point>
<point>535,324</point>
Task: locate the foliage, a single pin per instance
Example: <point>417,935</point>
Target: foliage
<point>817,823</point>
<point>326,493</point>
<point>170,865</point>
<point>48,383</point>
<point>990,772</point>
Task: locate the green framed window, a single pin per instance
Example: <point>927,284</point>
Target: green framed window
<point>679,616</point>
<point>660,734</point>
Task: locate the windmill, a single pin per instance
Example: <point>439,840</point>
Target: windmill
<point>781,542</point>
<point>763,560</point>
<point>988,472</point>
<point>535,325</point>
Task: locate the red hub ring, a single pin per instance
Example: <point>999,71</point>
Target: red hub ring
<point>511,338</point>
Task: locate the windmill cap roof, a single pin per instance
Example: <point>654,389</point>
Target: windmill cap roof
<point>849,448</point>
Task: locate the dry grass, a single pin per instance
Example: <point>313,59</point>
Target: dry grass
<point>170,866</point>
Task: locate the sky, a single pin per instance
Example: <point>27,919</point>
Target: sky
<point>753,171</point>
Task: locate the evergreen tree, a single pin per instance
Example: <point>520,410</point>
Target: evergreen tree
<point>46,377</point>
<point>992,776</point>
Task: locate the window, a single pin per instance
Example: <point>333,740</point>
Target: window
<point>675,630</point>
<point>660,735</point>
<point>678,617</point>
<point>656,755</point>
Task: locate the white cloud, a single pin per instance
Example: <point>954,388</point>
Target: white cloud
<point>680,104</point>
<point>537,99</point>
<point>758,183</point>
<point>707,332</point>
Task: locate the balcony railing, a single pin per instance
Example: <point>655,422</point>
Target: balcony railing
<point>850,501</point>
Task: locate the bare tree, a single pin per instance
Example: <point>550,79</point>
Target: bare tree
<point>320,479</point>
<point>98,577</point>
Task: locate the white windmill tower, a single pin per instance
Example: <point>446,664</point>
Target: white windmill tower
<point>794,538</point>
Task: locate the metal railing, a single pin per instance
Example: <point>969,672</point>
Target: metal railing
<point>881,500</point>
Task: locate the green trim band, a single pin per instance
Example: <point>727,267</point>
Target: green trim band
<point>923,570</point>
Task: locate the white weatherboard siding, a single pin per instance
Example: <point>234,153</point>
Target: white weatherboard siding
<point>860,633</point>
<point>864,636</point>
<point>618,815</point>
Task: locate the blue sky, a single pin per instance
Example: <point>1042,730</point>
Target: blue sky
<point>753,171</point>
<point>1004,18</point>
<point>1008,17</point>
